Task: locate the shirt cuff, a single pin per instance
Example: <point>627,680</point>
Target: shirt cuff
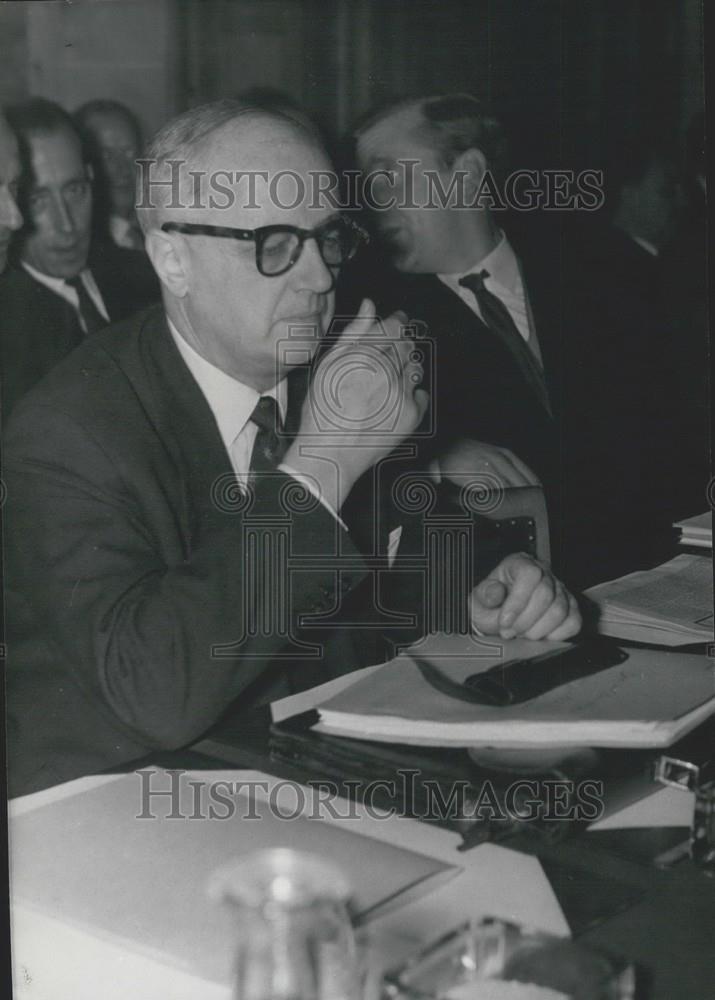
<point>312,487</point>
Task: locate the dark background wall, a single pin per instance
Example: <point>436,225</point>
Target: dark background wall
<point>567,74</point>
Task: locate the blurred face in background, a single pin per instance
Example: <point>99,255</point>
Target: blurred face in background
<point>118,144</point>
<point>10,218</point>
<point>59,205</point>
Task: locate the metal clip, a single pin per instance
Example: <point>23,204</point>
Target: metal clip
<point>699,780</point>
<point>677,773</point>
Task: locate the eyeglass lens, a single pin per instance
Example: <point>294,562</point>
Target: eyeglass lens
<point>280,249</point>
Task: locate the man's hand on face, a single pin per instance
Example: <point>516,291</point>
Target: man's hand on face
<point>468,460</point>
<point>521,597</point>
<point>363,400</point>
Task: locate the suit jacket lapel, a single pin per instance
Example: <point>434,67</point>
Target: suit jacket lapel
<point>460,319</point>
<point>68,332</point>
<point>298,381</point>
<point>460,325</point>
<point>185,423</point>
<point>542,275</point>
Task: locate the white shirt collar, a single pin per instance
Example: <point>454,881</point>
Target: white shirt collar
<point>124,232</point>
<point>56,285</point>
<point>646,244</point>
<point>502,265</point>
<point>119,228</point>
<point>231,402</point>
<point>60,287</point>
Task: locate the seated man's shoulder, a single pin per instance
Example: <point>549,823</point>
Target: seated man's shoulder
<point>17,288</point>
<point>94,383</point>
<point>129,269</point>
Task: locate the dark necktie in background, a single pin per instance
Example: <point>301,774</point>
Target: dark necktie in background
<point>271,443</point>
<point>497,317</point>
<point>91,316</point>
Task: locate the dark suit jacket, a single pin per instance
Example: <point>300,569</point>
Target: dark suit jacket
<point>476,388</point>
<point>619,409</point>
<point>39,328</point>
<point>128,563</point>
<point>475,385</point>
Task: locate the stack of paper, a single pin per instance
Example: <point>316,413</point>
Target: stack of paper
<point>697,530</point>
<point>125,860</point>
<point>649,700</point>
<point>670,605</point>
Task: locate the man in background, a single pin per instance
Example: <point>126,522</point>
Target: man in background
<point>113,135</point>
<point>56,295</point>
<point>10,218</point>
<point>464,280</point>
<point>685,288</point>
<point>623,404</point>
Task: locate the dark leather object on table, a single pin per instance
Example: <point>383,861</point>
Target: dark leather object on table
<point>496,537</point>
<point>439,785</point>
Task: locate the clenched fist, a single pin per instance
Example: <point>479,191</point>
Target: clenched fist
<point>521,597</point>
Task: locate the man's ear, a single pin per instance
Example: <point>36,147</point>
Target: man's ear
<point>474,163</point>
<point>167,255</point>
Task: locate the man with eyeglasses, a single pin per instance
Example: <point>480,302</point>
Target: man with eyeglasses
<point>176,549</point>
<point>56,295</point>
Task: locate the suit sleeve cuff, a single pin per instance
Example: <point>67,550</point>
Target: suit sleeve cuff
<point>312,487</point>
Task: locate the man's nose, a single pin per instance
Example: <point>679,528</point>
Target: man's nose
<point>311,271</point>
<point>10,216</point>
<point>62,217</point>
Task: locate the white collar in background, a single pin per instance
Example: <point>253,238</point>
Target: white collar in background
<point>65,291</point>
<point>56,285</point>
<point>231,402</point>
<point>646,244</point>
<point>502,265</point>
<point>124,232</point>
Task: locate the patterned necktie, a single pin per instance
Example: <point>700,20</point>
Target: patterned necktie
<point>270,444</point>
<point>91,316</point>
<point>497,317</point>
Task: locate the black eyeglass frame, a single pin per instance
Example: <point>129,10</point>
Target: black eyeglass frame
<point>260,235</point>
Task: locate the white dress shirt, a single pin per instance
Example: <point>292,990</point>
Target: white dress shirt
<point>65,291</point>
<point>506,282</point>
<point>232,403</point>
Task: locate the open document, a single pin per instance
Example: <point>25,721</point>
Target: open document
<point>670,605</point>
<point>649,699</point>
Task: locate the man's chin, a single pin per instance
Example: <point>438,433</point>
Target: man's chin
<point>57,263</point>
<point>404,260</point>
<point>411,265</point>
<point>299,345</point>
<point>65,269</point>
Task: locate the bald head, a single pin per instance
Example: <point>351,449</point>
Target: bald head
<point>10,218</point>
<point>208,158</point>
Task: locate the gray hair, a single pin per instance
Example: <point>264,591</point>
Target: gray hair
<point>106,106</point>
<point>451,125</point>
<point>183,139</point>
